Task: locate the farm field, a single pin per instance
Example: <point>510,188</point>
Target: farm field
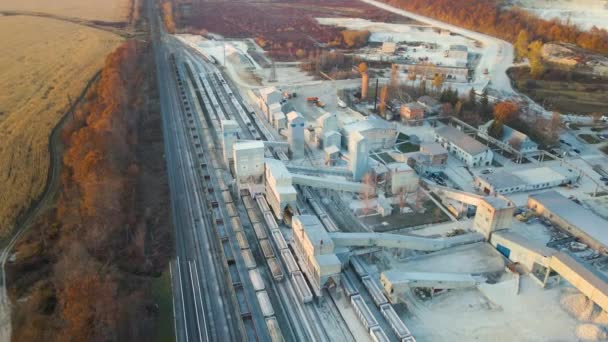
<point>106,10</point>
<point>43,61</point>
<point>281,28</point>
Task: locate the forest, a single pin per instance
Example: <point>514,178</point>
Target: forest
<point>488,17</point>
<point>84,270</point>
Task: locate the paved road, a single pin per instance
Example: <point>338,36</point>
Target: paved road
<point>202,305</point>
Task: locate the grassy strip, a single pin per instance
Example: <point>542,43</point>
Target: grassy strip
<point>163,296</point>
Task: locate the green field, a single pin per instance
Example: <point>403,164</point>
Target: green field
<point>161,290</point>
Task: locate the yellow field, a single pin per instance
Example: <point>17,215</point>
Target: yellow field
<point>42,61</point>
<point>104,10</point>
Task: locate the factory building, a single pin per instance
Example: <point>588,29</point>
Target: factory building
<point>315,249</point>
<point>295,134</point>
<point>531,179</point>
<point>358,151</point>
<point>248,161</point>
<point>493,213</point>
<point>431,158</point>
<point>573,218</point>
<point>332,138</point>
<point>379,133</point>
<point>269,96</point>
<point>465,148</point>
<point>512,137</point>
<point>402,178</point>
<point>411,111</point>
<point>328,122</point>
<point>230,129</point>
<point>280,192</point>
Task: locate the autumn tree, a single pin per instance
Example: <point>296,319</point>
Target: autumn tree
<point>495,129</point>
<point>354,38</point>
<point>438,81</point>
<point>505,112</point>
<point>168,19</point>
<point>537,68</point>
<point>521,45</point>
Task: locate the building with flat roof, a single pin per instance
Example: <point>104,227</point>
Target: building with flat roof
<point>379,133</point>
<point>467,149</point>
<point>431,158</point>
<point>493,213</point>
<point>402,178</point>
<point>530,179</point>
<point>512,137</point>
<point>230,130</point>
<point>573,218</point>
<point>295,134</point>
<point>358,152</point>
<point>315,248</point>
<point>248,161</point>
<point>411,111</point>
<point>280,192</point>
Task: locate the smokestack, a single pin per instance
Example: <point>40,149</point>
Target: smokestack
<point>364,85</point>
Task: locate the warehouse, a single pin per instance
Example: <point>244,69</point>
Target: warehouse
<point>467,149</point>
<point>378,133</point>
<point>506,182</point>
<point>571,217</point>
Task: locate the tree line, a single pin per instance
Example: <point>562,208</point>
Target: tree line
<point>101,247</point>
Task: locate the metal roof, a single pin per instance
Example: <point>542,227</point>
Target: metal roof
<point>575,214</point>
<point>460,139</point>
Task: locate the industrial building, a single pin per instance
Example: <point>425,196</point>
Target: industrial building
<point>269,96</point>
<point>248,161</point>
<point>411,111</point>
<point>530,179</point>
<point>358,152</point>
<point>493,213</point>
<point>295,134</point>
<point>230,129</point>
<point>467,149</point>
<point>315,248</point>
<point>402,178</point>
<point>512,137</point>
<point>378,132</point>
<point>280,192</point>
<point>431,158</point>
<point>573,218</point>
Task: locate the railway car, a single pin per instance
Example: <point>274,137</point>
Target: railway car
<point>349,287</point>
<point>377,295</point>
<point>363,312</point>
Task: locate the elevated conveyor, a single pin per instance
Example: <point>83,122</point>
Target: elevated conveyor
<point>330,183</point>
<point>401,241</point>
